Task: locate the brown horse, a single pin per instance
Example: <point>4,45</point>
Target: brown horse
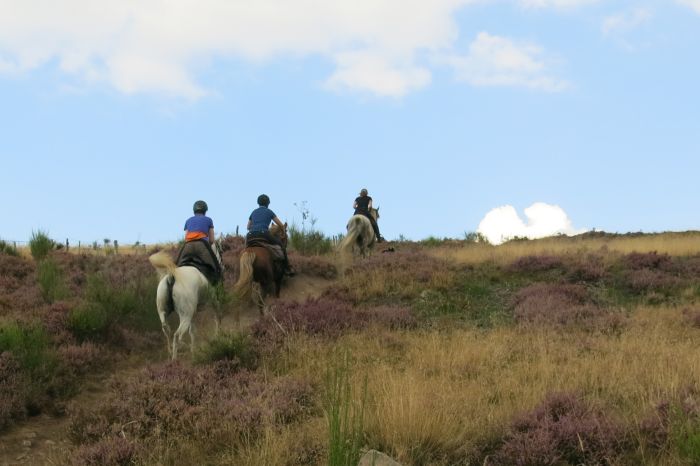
<point>260,275</point>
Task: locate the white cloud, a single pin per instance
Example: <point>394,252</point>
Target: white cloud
<point>542,220</point>
<point>499,61</point>
<point>378,46</point>
<point>560,4</point>
<point>159,45</point>
<point>368,71</point>
<point>694,4</point>
<point>626,21</point>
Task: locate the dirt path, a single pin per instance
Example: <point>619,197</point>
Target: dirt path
<point>43,439</point>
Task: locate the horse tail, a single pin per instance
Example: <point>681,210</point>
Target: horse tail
<point>244,285</point>
<point>354,230</point>
<point>163,263</point>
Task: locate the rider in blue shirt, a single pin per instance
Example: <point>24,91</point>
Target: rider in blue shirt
<point>259,228</point>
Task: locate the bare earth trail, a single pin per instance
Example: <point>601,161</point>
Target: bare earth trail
<point>43,439</point>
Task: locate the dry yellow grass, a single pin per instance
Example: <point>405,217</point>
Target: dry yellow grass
<point>675,244</point>
<point>435,396</point>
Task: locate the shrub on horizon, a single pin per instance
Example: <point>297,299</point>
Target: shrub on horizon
<point>40,245</point>
<point>7,248</point>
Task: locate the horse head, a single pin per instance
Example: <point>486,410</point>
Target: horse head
<point>280,233</point>
<point>374,213</point>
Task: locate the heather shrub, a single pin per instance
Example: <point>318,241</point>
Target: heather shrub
<point>562,304</point>
<point>216,403</point>
<point>674,425</point>
<point>692,316</point>
<point>314,317</point>
<point>313,266</point>
<point>388,277</point>
<point>647,260</point>
<point>51,281</point>
<point>40,245</point>
<point>588,268</point>
<point>562,430</point>
<point>230,347</point>
<point>110,451</point>
<point>12,384</point>
<point>641,281</point>
<point>534,264</point>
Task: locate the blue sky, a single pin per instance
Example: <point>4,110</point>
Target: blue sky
<point>117,117</point>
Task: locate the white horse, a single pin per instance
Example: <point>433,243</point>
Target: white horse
<point>360,237</point>
<point>183,288</point>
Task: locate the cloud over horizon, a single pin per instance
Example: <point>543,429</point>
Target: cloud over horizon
<point>542,220</point>
<point>499,61</point>
<point>384,47</point>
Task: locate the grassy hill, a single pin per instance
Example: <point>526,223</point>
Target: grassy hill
<point>559,351</point>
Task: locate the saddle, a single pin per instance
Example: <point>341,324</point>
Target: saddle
<point>274,249</point>
<point>199,254</point>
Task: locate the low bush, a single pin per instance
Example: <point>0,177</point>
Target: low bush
<point>90,321</point>
<point>216,403</point>
<point>309,242</point>
<point>562,430</point>
<point>12,388</point>
<point>40,245</point>
<point>8,249</point>
<point>29,345</point>
<point>237,348</point>
<point>533,264</point>
<point>51,281</point>
<point>109,451</point>
<point>563,304</point>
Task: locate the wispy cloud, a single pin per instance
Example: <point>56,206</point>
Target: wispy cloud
<point>384,47</point>
<point>694,4</point>
<point>560,4</point>
<point>626,21</point>
<point>159,46</point>
<point>500,61</point>
<point>542,220</point>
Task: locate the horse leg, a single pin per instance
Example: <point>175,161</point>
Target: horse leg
<point>162,299</point>
<point>192,338</point>
<point>166,332</point>
<point>185,322</point>
<point>258,297</point>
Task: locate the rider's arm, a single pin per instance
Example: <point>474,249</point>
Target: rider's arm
<point>354,205</point>
<point>369,205</point>
<point>250,224</point>
<point>211,235</point>
<point>278,222</point>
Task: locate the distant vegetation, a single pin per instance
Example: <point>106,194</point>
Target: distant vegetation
<point>440,352</point>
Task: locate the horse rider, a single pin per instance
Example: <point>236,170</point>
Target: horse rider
<point>259,228</point>
<point>363,206</point>
<point>197,249</point>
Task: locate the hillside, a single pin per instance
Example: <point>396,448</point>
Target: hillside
<point>563,351</point>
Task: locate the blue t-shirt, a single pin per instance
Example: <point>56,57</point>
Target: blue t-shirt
<point>261,218</point>
<point>197,225</point>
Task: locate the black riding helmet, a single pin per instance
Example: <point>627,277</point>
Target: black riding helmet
<point>264,200</point>
<point>200,207</point>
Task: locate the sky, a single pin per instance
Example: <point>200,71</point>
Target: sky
<point>511,117</point>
